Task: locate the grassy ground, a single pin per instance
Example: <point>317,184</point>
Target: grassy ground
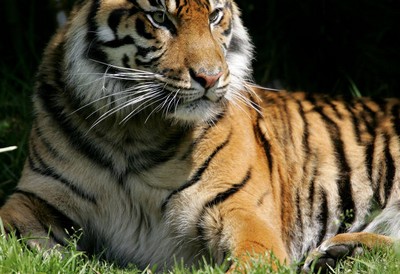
<point>16,257</point>
<point>340,49</point>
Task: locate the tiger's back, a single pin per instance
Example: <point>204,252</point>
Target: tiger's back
<point>149,138</point>
<point>340,159</point>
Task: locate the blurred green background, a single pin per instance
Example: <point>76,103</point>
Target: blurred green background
<point>328,46</point>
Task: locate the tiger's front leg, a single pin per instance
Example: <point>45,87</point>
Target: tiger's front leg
<point>251,236</point>
<point>243,232</point>
<point>27,215</point>
<point>342,245</point>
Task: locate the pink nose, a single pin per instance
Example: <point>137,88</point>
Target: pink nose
<point>206,80</point>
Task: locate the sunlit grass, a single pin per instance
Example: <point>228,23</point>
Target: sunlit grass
<point>17,257</point>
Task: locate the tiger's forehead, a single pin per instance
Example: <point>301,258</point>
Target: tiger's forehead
<point>176,6</point>
<point>170,6</point>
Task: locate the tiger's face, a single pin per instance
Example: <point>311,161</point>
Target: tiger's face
<point>182,58</point>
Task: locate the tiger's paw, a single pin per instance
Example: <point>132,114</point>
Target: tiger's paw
<point>341,246</point>
<point>328,254</point>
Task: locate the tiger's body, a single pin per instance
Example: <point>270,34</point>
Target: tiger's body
<point>149,138</point>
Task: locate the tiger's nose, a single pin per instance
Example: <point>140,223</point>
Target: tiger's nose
<point>206,80</point>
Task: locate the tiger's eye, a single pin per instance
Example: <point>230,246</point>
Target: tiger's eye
<point>215,16</point>
<point>158,17</point>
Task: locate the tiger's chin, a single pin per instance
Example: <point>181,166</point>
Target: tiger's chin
<point>201,110</point>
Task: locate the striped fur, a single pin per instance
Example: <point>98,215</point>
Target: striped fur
<point>149,138</point>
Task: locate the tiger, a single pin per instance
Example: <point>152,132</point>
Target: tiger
<point>152,141</point>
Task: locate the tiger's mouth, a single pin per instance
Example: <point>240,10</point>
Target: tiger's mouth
<point>193,95</point>
<point>202,109</point>
<point>190,102</point>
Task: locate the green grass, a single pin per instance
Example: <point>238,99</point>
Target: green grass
<point>16,257</point>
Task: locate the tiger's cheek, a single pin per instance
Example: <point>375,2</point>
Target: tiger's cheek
<point>127,37</point>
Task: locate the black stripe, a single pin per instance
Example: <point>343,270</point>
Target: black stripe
<point>390,170</point>
<point>179,11</point>
<point>77,139</point>
<point>307,151</point>
<point>220,198</point>
<point>59,218</point>
<point>144,51</point>
<point>299,219</point>
<point>47,171</point>
<point>328,101</point>
<point>355,123</point>
<point>49,147</point>
<point>369,118</point>
<point>306,131</point>
<point>93,51</point>
<point>141,30</point>
<point>286,118</point>
<point>125,61</point>
<point>127,40</point>
<point>345,190</point>
<point>323,216</point>
<point>265,143</point>
<point>196,141</point>
<point>199,172</point>
<point>369,157</point>
<point>154,3</point>
<point>396,118</point>
<point>311,194</point>
<point>381,103</point>
<point>148,159</point>
<point>149,63</point>
<point>177,3</point>
<point>254,105</point>
<point>115,18</point>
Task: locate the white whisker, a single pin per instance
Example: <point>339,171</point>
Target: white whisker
<point>119,108</point>
<point>95,101</point>
<point>136,90</point>
<point>260,87</point>
<point>156,108</point>
<point>124,68</point>
<point>140,108</point>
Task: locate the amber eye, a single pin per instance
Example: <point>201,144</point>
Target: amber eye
<point>216,16</point>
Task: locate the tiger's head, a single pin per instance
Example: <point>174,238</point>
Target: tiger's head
<point>184,59</point>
